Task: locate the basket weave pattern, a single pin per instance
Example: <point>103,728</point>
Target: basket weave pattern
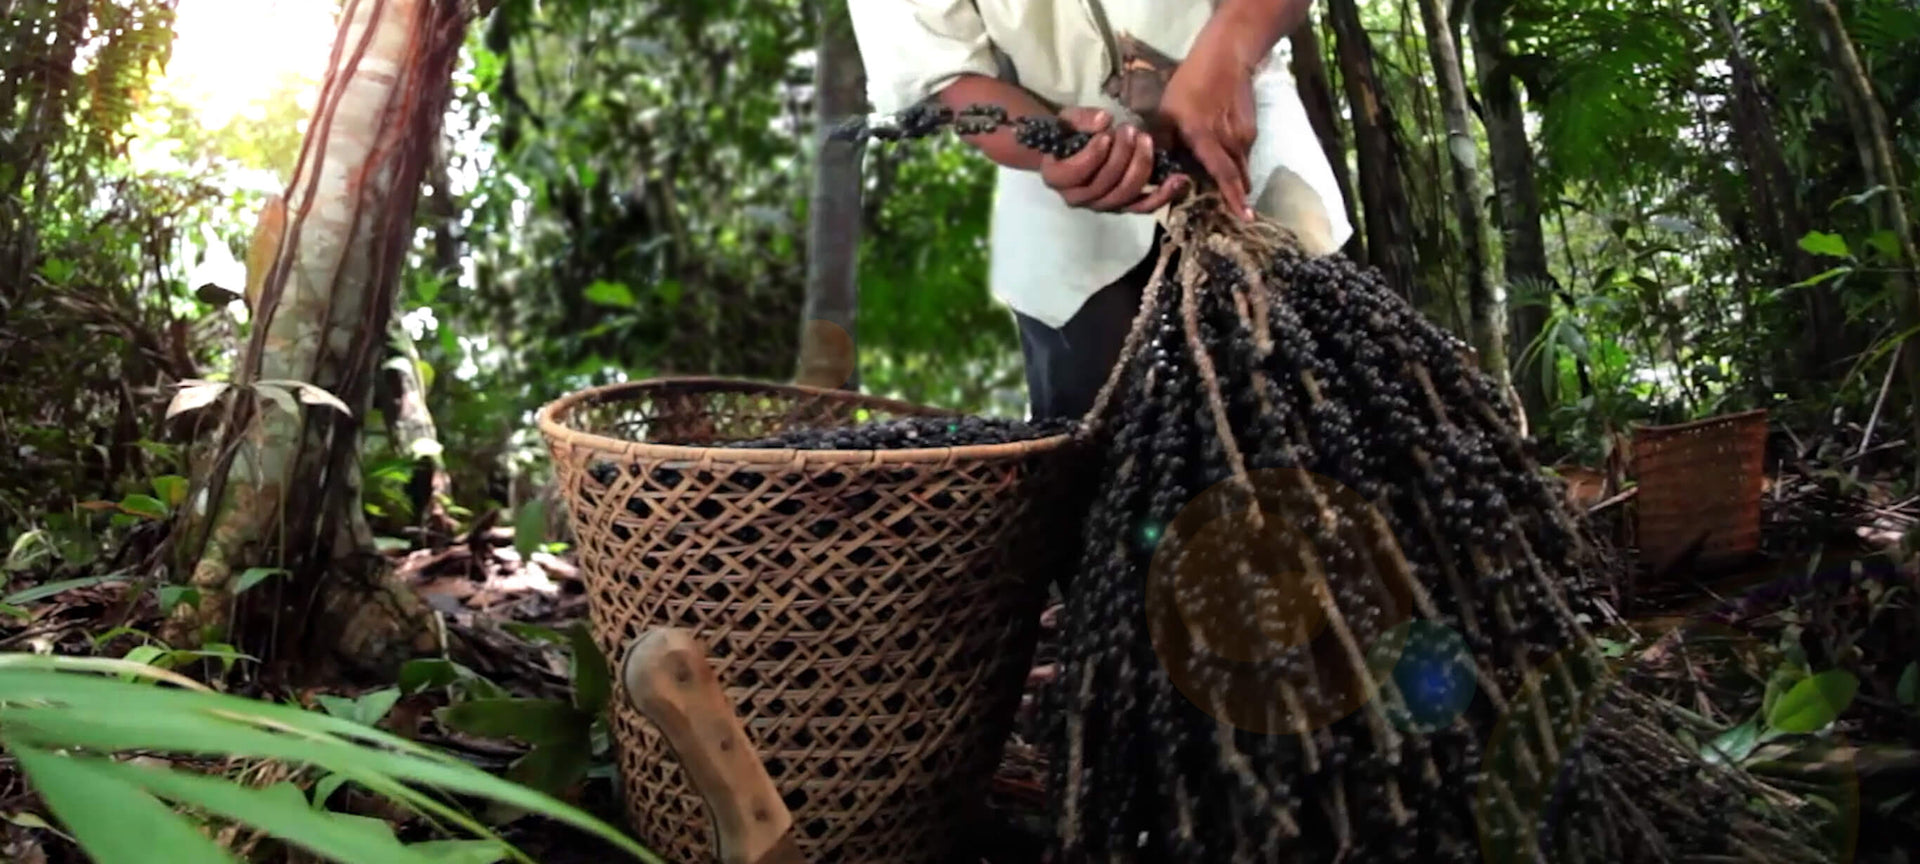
<point>872,615</point>
<point>1704,476</point>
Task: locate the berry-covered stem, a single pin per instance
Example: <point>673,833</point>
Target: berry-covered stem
<point>1046,134</point>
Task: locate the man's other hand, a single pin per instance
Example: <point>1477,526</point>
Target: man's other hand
<point>1110,174</point>
<point>1209,101</point>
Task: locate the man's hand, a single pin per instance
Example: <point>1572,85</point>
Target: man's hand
<point>1110,174</point>
<point>1209,102</point>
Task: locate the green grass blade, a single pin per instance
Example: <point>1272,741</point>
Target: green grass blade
<point>111,715</point>
<point>50,589</point>
<point>113,822</point>
<point>315,830</point>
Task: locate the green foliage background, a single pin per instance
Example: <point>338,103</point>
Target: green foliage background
<point>622,193</point>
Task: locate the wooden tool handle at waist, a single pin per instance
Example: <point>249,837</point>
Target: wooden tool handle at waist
<point>669,680</point>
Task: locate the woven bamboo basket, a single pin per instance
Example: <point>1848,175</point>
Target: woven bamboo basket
<point>1697,478</point>
<point>871,614</point>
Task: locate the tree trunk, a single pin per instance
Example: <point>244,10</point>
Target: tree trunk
<point>404,400</point>
<point>1869,123</point>
<point>1316,93</point>
<point>402,395</point>
<point>1522,238</point>
<point>1383,195</point>
<point>447,252</point>
<point>1779,214</point>
<point>827,353</point>
<point>282,487</point>
<point>1487,320</point>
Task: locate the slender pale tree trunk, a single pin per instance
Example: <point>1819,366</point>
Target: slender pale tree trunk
<point>402,396</point>
<point>1384,205</point>
<point>1776,208</point>
<point>827,354</point>
<point>1316,93</point>
<point>1485,311</point>
<point>1869,121</point>
<point>403,391</point>
<point>1522,238</point>
<point>281,489</point>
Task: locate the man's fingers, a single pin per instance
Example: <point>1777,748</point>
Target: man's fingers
<point>1118,181</point>
<point>1126,140</point>
<point>1075,170</point>
<point>1226,174</point>
<point>1087,119</point>
<point>1234,185</point>
<point>1161,195</point>
<point>1242,150</point>
<point>1139,168</point>
<point>1235,137</point>
<point>1236,195</point>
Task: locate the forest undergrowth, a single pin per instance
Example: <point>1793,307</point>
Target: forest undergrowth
<point>1705,218</point>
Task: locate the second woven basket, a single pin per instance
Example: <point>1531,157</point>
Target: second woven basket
<point>872,614</point>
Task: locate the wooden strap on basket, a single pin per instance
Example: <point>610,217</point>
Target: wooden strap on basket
<point>669,680</point>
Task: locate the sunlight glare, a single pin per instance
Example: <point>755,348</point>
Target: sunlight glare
<point>229,54</point>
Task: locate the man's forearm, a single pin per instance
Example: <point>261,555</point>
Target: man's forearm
<point>1249,29</point>
<point>998,145</point>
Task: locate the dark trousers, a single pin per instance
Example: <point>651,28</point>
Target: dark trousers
<point>1067,366</point>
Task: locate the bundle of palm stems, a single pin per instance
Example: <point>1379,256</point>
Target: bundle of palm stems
<point>1327,607</point>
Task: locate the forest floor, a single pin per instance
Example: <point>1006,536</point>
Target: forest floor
<point>1834,585</point>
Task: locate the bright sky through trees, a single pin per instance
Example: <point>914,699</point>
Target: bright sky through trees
<point>231,53</point>
<point>231,58</point>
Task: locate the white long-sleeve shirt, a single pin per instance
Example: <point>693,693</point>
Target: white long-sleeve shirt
<point>1047,257</point>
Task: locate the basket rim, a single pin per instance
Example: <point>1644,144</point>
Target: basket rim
<point>557,432</point>
<point>1738,417</point>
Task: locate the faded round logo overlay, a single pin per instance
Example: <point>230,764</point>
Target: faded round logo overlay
<point>1433,674</point>
<point>1289,621</point>
<point>829,353</point>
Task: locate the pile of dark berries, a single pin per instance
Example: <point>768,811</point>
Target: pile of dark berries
<point>1327,609</point>
<point>853,497</point>
<point>909,433</point>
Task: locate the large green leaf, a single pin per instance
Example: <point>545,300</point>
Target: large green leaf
<point>171,489</point>
<point>592,681</point>
<point>1735,744</point>
<point>535,721</point>
<point>556,765</point>
<point>1814,702</point>
<point>530,528</point>
<point>254,576</point>
<point>1822,243</point>
<point>145,506</point>
<point>106,715</point>
<point>114,822</point>
<point>316,830</point>
<point>367,709</point>
<point>610,294</point>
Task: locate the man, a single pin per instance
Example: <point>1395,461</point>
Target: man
<point>1073,239</point>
